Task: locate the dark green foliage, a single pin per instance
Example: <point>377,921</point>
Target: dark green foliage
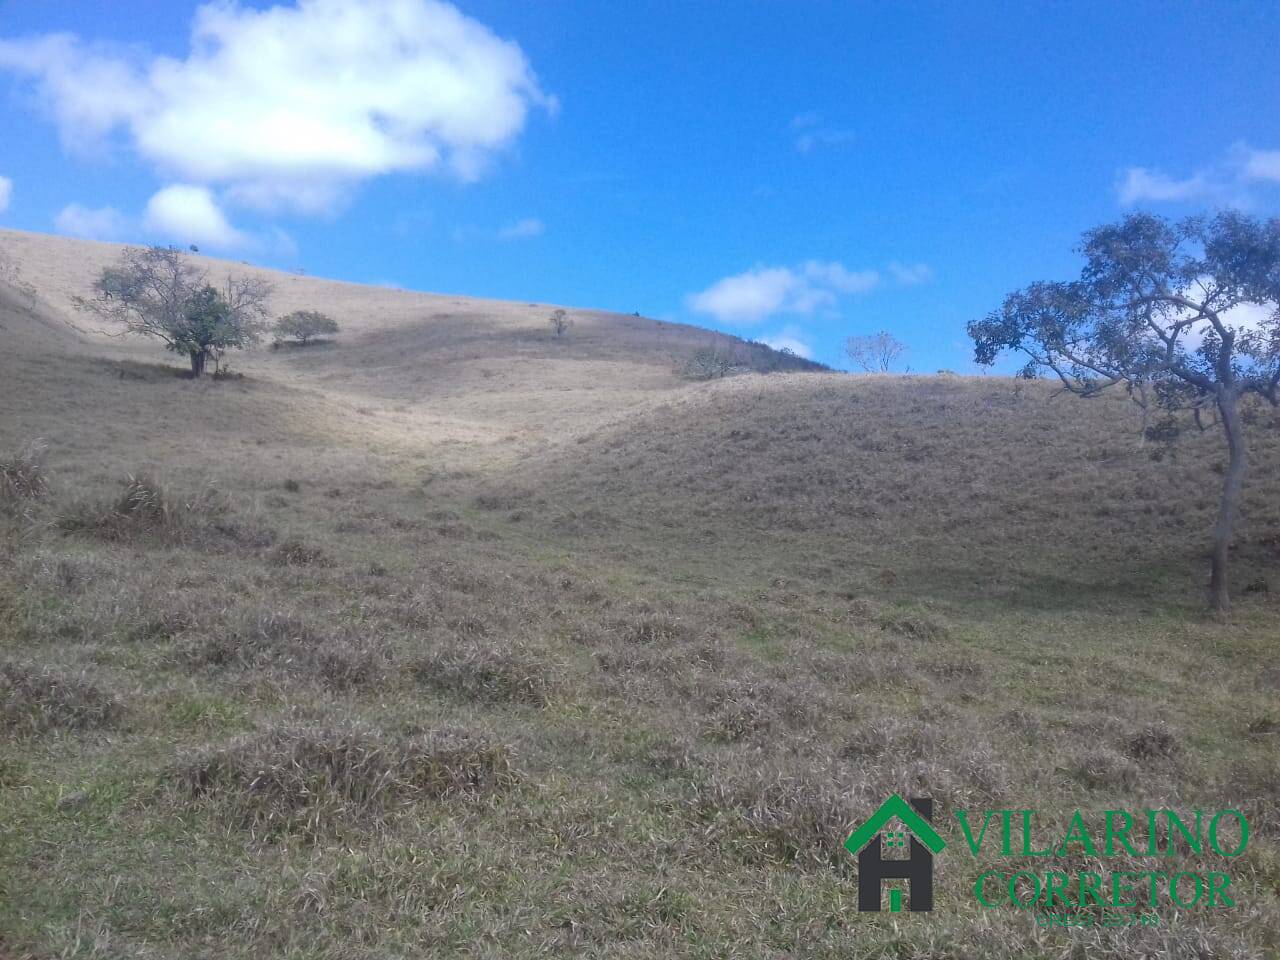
<point>304,326</point>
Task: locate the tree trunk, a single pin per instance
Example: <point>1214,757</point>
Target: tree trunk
<point>1232,487</point>
<point>197,363</point>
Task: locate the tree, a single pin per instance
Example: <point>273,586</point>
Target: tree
<point>306,325</point>
<point>560,323</point>
<point>876,353</point>
<point>157,292</point>
<point>1187,313</point>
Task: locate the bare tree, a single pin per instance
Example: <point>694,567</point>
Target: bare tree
<point>876,353</point>
<point>560,323</point>
<point>1154,312</point>
<point>157,292</point>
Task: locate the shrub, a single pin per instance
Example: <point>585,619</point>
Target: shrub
<point>708,364</point>
<point>305,326</point>
<point>22,475</point>
<point>290,778</point>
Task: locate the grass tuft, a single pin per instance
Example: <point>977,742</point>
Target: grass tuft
<point>291,779</point>
<point>22,474</point>
<point>487,672</point>
<point>35,699</point>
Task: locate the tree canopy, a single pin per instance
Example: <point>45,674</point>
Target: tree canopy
<point>1187,312</point>
<point>306,325</point>
<point>158,292</point>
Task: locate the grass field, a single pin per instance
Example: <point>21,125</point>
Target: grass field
<point>450,638</point>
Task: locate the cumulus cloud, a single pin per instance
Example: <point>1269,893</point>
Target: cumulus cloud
<point>522,229</point>
<point>92,223</point>
<point>189,214</point>
<point>6,192</point>
<point>790,338</point>
<point>287,107</point>
<point>764,292</point>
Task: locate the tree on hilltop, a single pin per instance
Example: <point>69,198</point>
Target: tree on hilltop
<point>876,353</point>
<point>1186,312</point>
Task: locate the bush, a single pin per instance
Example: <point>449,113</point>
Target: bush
<point>708,364</point>
<point>305,326</point>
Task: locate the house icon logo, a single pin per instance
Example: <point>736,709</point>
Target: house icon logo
<point>869,842</point>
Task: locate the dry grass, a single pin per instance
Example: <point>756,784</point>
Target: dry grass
<point>305,778</point>
<point>715,622</point>
<point>22,475</point>
<point>487,673</point>
<point>36,699</point>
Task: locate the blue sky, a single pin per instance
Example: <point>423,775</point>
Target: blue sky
<point>789,171</point>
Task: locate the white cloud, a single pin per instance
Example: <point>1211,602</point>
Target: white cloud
<point>189,214</point>
<point>1142,183</point>
<point>6,192</point>
<point>92,223</point>
<point>1231,181</point>
<point>522,229</point>
<point>811,133</point>
<point>1261,164</point>
<point>790,338</point>
<point>286,107</point>
<point>763,292</point>
<point>910,274</point>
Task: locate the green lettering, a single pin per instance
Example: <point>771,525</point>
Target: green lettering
<point>1216,890</point>
<point>1076,833</point>
<point>977,888</point>
<point>1213,833</point>
<point>963,817</point>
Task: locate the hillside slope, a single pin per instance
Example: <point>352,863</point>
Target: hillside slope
<point>449,639</point>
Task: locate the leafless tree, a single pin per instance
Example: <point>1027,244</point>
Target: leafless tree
<point>876,353</point>
<point>560,323</point>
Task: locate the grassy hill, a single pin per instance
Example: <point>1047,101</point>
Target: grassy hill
<point>451,638</point>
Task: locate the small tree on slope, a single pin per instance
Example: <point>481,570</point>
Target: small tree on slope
<point>306,325</point>
<point>157,292</point>
<point>1188,312</point>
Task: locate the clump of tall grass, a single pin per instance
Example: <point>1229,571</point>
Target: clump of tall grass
<point>144,508</point>
<point>22,473</point>
<point>487,672</point>
<point>307,779</point>
<point>36,699</point>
